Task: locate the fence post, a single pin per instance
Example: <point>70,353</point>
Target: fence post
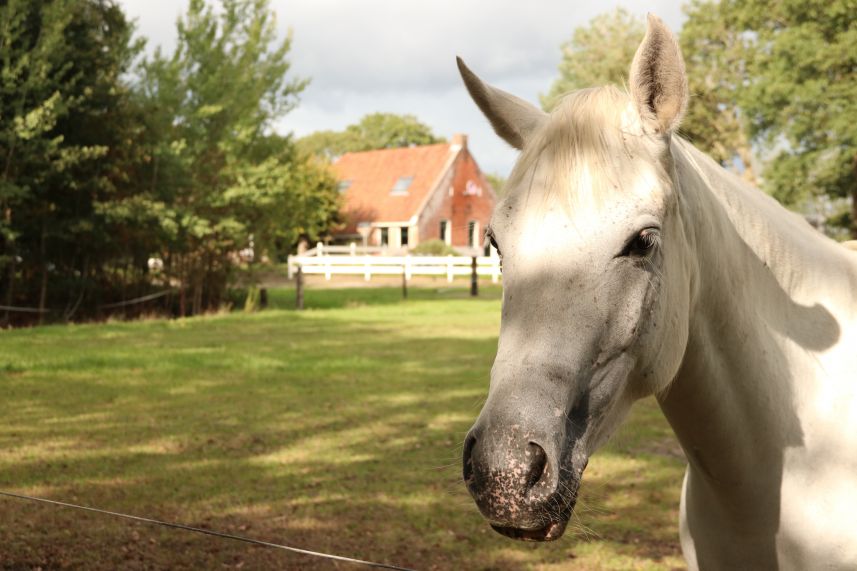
<point>449,268</point>
<point>299,289</point>
<point>474,278</point>
<point>319,248</point>
<point>353,248</point>
<point>406,274</point>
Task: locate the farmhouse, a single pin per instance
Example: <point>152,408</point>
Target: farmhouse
<point>397,198</point>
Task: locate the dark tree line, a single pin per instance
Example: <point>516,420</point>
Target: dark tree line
<point>123,175</point>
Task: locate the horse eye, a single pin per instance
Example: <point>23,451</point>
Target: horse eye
<point>643,243</point>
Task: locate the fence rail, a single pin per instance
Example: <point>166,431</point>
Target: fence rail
<point>351,249</point>
<point>407,266</point>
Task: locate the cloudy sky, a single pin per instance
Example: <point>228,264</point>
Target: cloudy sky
<point>399,56</point>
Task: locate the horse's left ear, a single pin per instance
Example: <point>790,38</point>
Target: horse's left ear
<point>658,80</point>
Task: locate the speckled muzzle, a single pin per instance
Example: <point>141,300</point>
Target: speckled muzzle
<point>523,483</point>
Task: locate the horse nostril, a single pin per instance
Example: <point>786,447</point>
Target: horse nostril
<point>469,443</point>
<point>538,466</point>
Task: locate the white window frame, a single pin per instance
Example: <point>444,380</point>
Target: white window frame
<point>473,237</point>
<point>447,231</point>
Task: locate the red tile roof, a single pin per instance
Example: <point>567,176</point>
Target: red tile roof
<point>372,175</point>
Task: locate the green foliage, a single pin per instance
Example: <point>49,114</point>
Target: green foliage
<point>373,131</point>
<point>597,54</point>
<point>784,75</point>
<point>104,166</point>
<point>63,127</point>
<point>716,70</point>
<point>497,182</point>
<point>228,184</point>
<point>434,248</point>
<point>252,301</point>
<point>799,101</point>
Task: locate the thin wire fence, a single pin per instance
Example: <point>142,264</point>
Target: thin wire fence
<point>208,532</point>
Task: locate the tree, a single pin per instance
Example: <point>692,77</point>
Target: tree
<point>716,69</point>
<point>799,98</point>
<point>225,181</point>
<point>61,118</point>
<point>388,131</point>
<point>597,54</point>
<point>781,77</point>
<point>373,131</point>
<point>102,169</point>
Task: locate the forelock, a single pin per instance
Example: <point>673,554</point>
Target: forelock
<point>592,146</point>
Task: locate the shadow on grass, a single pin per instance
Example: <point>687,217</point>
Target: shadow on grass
<point>333,431</point>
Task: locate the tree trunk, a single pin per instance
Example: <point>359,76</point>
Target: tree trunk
<point>10,287</point>
<point>43,287</point>
<point>197,294</point>
<point>10,253</point>
<point>182,284</point>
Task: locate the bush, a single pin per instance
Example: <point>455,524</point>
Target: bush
<point>236,297</point>
<point>434,248</point>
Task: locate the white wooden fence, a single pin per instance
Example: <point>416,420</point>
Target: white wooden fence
<point>352,250</point>
<point>319,261</point>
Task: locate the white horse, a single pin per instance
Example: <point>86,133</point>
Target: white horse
<point>634,265</point>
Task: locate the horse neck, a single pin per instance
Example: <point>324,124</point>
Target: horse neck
<point>766,289</point>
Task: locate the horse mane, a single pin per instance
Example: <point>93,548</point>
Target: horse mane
<point>783,239</point>
<point>590,137</point>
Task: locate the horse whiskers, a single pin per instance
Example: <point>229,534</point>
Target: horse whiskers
<point>587,532</point>
<point>479,402</point>
<point>445,466</point>
<point>590,508</point>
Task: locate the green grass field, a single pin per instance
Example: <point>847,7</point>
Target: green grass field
<point>337,429</point>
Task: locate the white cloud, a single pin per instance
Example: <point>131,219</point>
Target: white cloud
<point>399,55</point>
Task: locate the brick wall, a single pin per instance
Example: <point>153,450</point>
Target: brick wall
<point>472,199</point>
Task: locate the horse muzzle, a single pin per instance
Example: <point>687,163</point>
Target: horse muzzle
<point>519,484</point>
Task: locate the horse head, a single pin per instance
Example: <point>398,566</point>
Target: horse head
<point>596,284</point>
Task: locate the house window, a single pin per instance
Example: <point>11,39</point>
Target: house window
<point>404,236</point>
<point>402,185</point>
<point>385,236</point>
<point>473,233</point>
<point>445,232</point>
<point>344,185</point>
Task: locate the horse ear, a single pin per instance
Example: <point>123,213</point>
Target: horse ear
<point>513,118</point>
<point>658,80</point>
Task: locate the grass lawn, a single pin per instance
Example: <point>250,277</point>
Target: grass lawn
<point>337,429</point>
